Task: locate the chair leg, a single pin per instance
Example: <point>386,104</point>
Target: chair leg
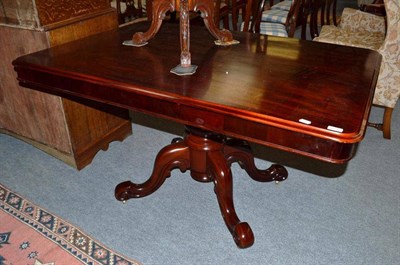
<point>387,120</point>
<point>226,21</point>
<point>386,124</point>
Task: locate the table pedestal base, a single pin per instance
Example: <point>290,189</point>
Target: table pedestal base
<point>208,156</point>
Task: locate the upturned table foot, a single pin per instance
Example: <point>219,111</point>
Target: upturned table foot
<point>175,155</point>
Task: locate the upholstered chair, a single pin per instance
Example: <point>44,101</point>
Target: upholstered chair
<point>286,29</point>
<point>283,5</point>
<point>281,28</point>
<point>277,13</point>
<point>360,29</point>
<point>226,10</point>
<point>315,14</point>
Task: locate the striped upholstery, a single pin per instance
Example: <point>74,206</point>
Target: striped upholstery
<point>274,16</point>
<point>277,22</point>
<point>273,29</point>
<point>284,5</point>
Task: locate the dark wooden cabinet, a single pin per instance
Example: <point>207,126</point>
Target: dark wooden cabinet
<point>68,130</point>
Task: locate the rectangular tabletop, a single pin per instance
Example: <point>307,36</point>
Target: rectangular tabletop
<point>304,97</point>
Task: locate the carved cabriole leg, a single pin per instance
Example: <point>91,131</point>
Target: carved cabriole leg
<point>206,7</point>
<point>239,151</point>
<point>240,231</point>
<point>160,8</point>
<point>175,155</point>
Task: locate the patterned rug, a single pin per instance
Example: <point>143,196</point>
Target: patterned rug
<point>30,235</point>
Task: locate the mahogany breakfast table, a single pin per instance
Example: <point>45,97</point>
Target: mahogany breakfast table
<point>304,97</point>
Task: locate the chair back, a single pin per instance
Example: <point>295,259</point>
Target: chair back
<point>294,16</point>
<point>253,15</point>
<point>128,10</point>
<point>221,13</point>
<point>254,9</point>
<point>315,14</point>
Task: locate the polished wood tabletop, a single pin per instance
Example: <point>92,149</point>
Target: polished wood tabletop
<point>304,97</point>
<point>300,96</point>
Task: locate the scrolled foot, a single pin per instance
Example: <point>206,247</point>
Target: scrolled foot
<point>224,37</point>
<point>243,235</point>
<point>139,39</point>
<point>277,172</point>
<point>177,140</point>
<point>124,191</point>
<point>226,41</point>
<point>170,157</point>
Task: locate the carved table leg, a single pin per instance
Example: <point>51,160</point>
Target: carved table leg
<point>170,157</point>
<point>160,8</point>
<point>206,7</point>
<point>239,151</point>
<point>208,155</point>
<point>241,231</point>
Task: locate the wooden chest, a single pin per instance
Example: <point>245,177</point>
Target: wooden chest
<point>65,129</point>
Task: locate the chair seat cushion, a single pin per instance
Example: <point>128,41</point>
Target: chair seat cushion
<point>361,39</point>
<point>284,5</point>
<point>273,29</point>
<point>354,19</point>
<point>274,16</point>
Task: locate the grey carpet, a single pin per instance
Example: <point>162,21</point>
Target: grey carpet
<point>322,214</point>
